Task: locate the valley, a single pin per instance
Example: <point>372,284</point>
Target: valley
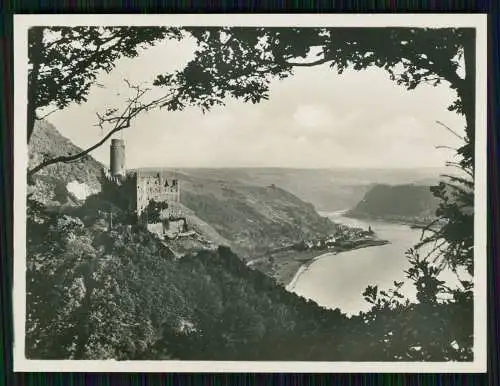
<point>251,231</point>
<point>267,216</point>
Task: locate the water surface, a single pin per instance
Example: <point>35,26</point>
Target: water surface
<point>339,280</point>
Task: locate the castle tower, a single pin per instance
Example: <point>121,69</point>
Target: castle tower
<point>117,158</point>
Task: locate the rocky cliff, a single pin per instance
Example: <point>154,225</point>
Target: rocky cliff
<point>61,183</point>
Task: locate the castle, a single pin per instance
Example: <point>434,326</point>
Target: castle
<point>156,186</point>
<point>149,186</point>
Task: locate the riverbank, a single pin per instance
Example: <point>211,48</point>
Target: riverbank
<point>304,267</point>
<point>286,266</point>
<point>414,223</point>
<point>283,265</point>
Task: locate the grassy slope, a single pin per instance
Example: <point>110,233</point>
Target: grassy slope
<point>252,218</point>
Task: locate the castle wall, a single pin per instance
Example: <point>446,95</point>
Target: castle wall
<point>171,229</point>
<point>148,185</point>
<point>174,228</point>
<point>156,186</point>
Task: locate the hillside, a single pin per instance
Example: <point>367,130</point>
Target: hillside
<point>122,295</point>
<point>253,218</point>
<point>326,189</point>
<point>399,202</point>
<point>98,292</point>
<point>250,219</point>
<point>51,183</point>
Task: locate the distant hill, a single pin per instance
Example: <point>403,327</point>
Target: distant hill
<point>398,202</point>
<point>248,218</point>
<point>326,189</point>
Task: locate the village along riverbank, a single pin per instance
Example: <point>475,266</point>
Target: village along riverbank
<point>285,264</point>
<point>337,280</point>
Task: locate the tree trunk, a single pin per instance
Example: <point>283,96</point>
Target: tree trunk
<point>35,41</point>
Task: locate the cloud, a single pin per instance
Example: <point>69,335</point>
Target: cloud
<point>315,118</point>
<point>312,116</point>
<point>406,127</point>
<point>218,123</point>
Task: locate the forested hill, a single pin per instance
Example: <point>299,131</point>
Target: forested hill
<point>121,294</point>
<point>95,291</point>
<point>396,202</point>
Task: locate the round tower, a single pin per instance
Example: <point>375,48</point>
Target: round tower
<point>117,158</point>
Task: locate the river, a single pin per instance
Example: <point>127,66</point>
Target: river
<point>338,280</point>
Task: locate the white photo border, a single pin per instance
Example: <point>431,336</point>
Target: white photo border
<point>21,25</point>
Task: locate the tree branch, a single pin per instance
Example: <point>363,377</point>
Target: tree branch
<point>450,130</point>
<point>46,115</point>
<point>428,228</point>
<point>430,65</point>
<point>74,157</point>
<point>120,122</point>
<point>86,61</point>
<point>310,64</point>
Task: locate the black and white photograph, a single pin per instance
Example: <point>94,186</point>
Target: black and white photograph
<point>289,193</point>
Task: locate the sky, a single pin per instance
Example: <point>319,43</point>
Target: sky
<point>314,119</point>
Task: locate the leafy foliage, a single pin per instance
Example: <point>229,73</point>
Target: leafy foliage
<point>439,326</point>
<point>240,62</point>
<point>152,213</point>
<point>411,56</point>
<point>121,294</point>
<point>65,61</point>
<point>456,207</point>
